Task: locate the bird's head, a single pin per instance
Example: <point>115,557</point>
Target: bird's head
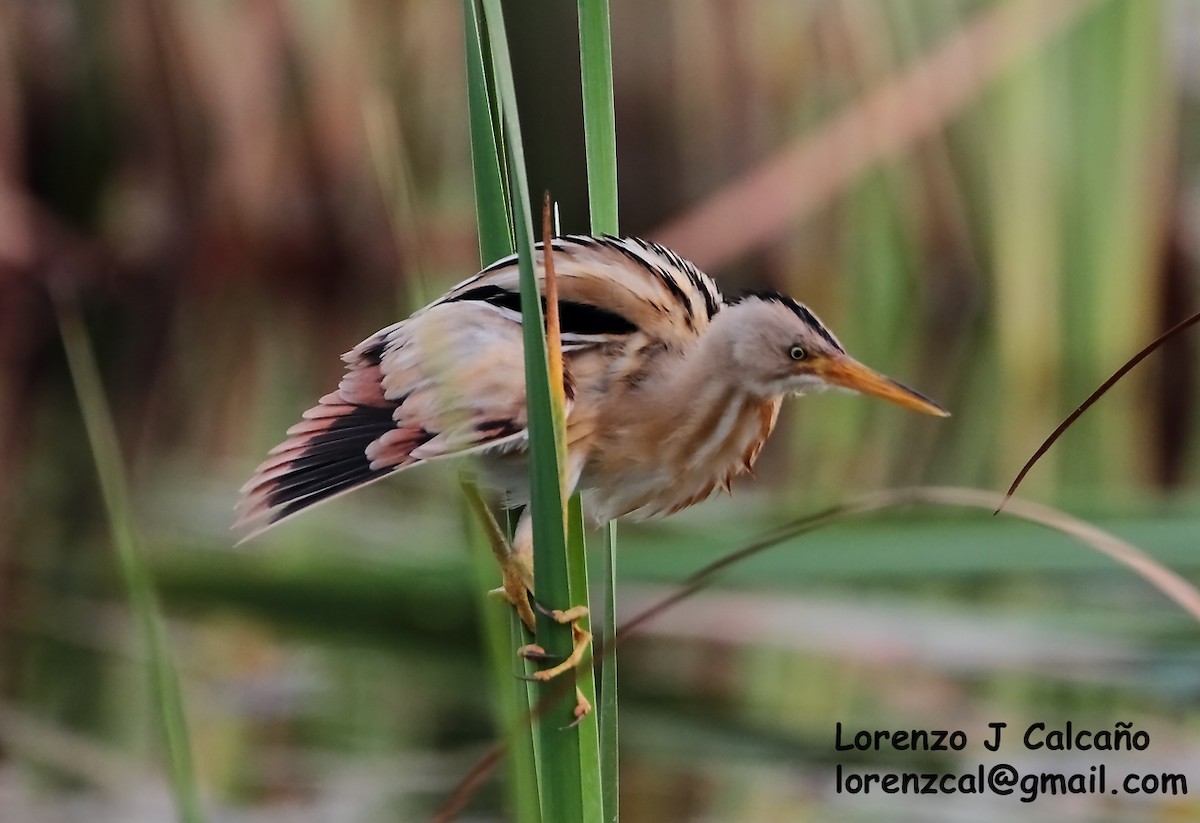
<point>779,347</point>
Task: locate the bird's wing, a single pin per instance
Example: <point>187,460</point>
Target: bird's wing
<point>609,288</point>
<point>449,380</point>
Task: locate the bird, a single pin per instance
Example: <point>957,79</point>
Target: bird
<point>671,391</point>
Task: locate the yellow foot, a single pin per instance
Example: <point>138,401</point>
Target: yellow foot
<point>582,640</point>
<point>583,706</point>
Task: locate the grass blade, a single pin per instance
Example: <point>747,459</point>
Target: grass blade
<point>577,571</point>
<point>502,635</point>
<point>610,760</point>
<point>102,437</point>
<point>599,114</point>
<point>600,136</point>
<point>504,632</point>
<point>561,777</point>
<point>491,198</point>
<point>589,734</point>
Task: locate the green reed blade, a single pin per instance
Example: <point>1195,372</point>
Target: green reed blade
<point>106,453</point>
<point>600,136</point>
<point>566,789</point>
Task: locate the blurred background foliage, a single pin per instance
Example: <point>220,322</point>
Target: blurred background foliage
<point>996,202</point>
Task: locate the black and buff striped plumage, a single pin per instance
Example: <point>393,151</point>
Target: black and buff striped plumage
<point>671,390</point>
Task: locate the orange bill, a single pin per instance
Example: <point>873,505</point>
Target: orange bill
<point>850,374</point>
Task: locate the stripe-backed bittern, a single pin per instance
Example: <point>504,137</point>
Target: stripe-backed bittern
<point>671,390</point>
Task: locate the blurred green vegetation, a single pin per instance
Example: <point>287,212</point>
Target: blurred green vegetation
<point>233,193</point>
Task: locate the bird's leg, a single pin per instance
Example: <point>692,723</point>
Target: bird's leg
<point>516,570</point>
<point>516,567</point>
<point>516,585</point>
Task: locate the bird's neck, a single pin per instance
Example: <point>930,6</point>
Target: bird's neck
<point>706,371</point>
<point>708,399</point>
<point>683,433</point>
<point>710,368</point>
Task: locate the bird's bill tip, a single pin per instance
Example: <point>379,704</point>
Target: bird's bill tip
<point>850,374</point>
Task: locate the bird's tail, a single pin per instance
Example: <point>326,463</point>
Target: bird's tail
<point>325,454</point>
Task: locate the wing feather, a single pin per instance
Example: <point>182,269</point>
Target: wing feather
<point>646,287</point>
<point>450,379</point>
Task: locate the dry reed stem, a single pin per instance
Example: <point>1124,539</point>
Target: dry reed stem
<point>554,354</point>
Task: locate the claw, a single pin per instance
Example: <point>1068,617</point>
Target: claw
<point>561,615</point>
<point>582,640</point>
<point>533,651</point>
<point>582,709</point>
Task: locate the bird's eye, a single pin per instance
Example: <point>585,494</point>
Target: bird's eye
<point>797,353</point>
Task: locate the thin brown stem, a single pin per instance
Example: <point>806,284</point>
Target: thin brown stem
<point>1092,398</point>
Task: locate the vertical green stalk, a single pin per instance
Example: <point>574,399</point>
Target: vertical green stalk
<point>109,467</point>
<point>491,197</point>
<point>610,775</point>
<point>567,756</point>
<point>600,136</point>
<point>504,632</point>
<point>599,115</point>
